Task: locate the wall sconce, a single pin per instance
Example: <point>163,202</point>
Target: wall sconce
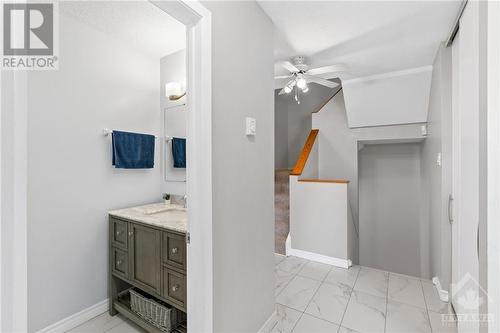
<point>173,90</point>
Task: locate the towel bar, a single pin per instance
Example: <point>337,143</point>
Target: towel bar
<point>107,132</point>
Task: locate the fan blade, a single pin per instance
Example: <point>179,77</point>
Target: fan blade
<point>327,69</point>
<point>288,66</point>
<point>279,77</point>
<point>321,81</point>
<point>282,92</point>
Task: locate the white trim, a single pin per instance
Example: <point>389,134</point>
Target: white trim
<point>388,75</point>
<point>343,263</point>
<point>199,170</point>
<point>443,294</point>
<point>269,323</point>
<point>77,319</point>
<point>493,173</point>
<point>288,245</point>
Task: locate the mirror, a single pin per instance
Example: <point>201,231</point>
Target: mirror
<point>175,122</point>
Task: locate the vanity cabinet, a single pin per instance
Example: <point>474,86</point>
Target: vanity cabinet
<point>145,263</point>
<point>149,258</point>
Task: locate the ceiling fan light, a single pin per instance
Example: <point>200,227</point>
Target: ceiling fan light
<point>287,89</point>
<point>305,89</point>
<point>301,83</point>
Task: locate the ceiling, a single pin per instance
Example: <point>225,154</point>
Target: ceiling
<point>370,37</point>
<point>139,23</point>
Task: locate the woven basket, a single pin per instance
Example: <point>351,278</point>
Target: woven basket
<point>161,316</point>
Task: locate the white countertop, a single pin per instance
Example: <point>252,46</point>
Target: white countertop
<point>167,216</point>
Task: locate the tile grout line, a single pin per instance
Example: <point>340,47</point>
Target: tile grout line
<point>293,277</point>
<point>349,300</point>
<point>316,292</point>
<point>387,299</point>
<point>426,306</point>
<point>321,282</point>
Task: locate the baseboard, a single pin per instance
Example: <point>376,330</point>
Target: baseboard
<point>443,294</point>
<point>343,263</point>
<point>77,319</point>
<point>270,323</point>
<point>288,245</point>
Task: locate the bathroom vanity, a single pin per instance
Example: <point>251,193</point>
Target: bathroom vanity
<point>147,251</point>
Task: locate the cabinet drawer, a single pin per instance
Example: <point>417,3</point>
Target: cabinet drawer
<point>174,250</point>
<point>120,235</point>
<point>120,262</point>
<point>174,287</point>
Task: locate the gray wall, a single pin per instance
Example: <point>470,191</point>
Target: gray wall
<point>438,179</point>
<point>293,123</point>
<point>172,69</point>
<point>389,209</point>
<point>243,175</point>
<point>338,144</point>
<point>280,133</point>
<point>71,183</point>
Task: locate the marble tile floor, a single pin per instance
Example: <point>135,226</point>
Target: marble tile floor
<point>313,297</point>
<point>104,323</point>
<point>318,298</point>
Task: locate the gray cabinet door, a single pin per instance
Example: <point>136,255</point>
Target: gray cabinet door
<point>174,250</point>
<point>145,254</point>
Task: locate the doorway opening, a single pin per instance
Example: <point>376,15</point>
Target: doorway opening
<point>85,121</point>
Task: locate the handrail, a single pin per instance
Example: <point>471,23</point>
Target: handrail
<point>326,102</point>
<point>304,154</point>
<point>314,180</point>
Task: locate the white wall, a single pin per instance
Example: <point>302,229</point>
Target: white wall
<point>101,82</point>
<point>389,209</point>
<point>388,99</point>
<point>338,144</point>
<point>13,204</point>
<point>294,121</point>
<point>172,69</point>
<point>437,178</point>
<point>319,218</point>
<point>243,168</point>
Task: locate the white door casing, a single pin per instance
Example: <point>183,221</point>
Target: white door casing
<point>465,263</point>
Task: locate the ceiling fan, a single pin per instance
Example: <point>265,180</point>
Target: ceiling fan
<point>300,75</point>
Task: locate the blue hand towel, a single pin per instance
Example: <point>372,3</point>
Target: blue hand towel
<point>133,150</point>
<point>179,152</point>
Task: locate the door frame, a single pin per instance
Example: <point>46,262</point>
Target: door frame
<point>489,160</point>
<point>493,163</point>
<point>13,180</point>
<point>467,171</point>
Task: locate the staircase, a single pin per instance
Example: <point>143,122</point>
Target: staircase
<point>281,209</point>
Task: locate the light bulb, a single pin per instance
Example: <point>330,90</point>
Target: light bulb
<point>301,83</point>
<point>305,89</point>
<point>287,89</point>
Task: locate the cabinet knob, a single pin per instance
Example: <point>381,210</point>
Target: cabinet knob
<point>118,232</point>
<point>175,250</point>
<point>175,287</point>
<point>119,262</point>
<point>130,233</point>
